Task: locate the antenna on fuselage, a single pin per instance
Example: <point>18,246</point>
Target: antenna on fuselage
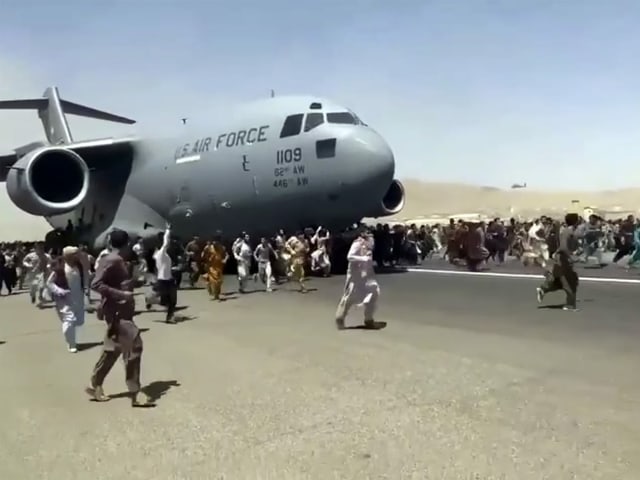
<point>273,93</point>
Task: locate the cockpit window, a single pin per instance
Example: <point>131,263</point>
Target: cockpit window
<point>342,117</point>
<point>292,125</point>
<point>358,120</point>
<point>313,120</point>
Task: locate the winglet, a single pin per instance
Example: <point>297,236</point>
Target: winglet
<point>52,109</point>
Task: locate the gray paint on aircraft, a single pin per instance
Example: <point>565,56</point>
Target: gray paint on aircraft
<point>230,175</point>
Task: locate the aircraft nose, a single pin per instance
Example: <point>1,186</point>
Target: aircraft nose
<point>372,154</point>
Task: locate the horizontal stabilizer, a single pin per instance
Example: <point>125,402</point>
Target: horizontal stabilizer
<point>25,104</point>
<point>52,110</point>
<point>83,111</point>
<point>67,106</point>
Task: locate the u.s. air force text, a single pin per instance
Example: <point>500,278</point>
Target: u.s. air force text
<point>224,140</point>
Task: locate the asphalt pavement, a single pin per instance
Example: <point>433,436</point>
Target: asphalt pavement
<point>471,378</point>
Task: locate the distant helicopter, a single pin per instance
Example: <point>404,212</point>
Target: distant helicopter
<point>519,185</point>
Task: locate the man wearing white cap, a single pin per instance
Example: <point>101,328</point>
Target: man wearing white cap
<point>66,284</point>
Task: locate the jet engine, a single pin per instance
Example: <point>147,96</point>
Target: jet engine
<point>392,202</point>
<point>48,181</point>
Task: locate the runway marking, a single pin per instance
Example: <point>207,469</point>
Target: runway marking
<point>519,275</point>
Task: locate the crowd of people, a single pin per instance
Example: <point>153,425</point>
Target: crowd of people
<point>67,275</point>
<point>462,243</point>
<point>535,241</point>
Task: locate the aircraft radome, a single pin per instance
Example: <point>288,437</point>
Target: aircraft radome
<point>281,162</point>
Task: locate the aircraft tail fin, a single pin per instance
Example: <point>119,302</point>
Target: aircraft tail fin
<point>52,109</point>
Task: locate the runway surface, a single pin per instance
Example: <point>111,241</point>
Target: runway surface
<point>470,379</point>
<point>592,269</point>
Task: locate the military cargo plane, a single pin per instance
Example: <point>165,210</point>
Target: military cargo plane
<point>282,162</point>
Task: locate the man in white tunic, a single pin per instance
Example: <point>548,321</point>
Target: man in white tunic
<point>66,284</point>
<point>320,261</point>
<point>243,254</point>
<point>36,264</point>
<point>140,269</point>
<point>361,287</point>
<point>538,250</point>
<point>262,255</point>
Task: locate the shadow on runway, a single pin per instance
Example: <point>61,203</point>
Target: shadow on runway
<point>235,293</point>
<point>178,319</point>
<point>557,306</point>
<point>153,310</point>
<point>158,389</point>
<point>308,290</point>
<point>17,292</point>
<point>390,270</point>
<point>295,290</point>
<point>87,346</point>
<point>224,297</point>
<point>154,391</point>
<point>376,326</point>
<point>2,342</point>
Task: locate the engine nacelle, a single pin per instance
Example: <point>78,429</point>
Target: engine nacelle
<point>48,181</point>
<point>392,202</point>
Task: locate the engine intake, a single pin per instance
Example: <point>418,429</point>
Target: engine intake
<point>393,200</point>
<point>48,181</point>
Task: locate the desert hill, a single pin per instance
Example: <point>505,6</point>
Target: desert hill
<point>423,199</point>
<point>429,199</point>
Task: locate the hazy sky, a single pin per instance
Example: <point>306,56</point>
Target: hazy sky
<point>472,91</point>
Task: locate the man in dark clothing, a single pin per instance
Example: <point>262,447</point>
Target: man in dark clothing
<point>5,274</point>
<point>113,282</point>
<point>624,239</point>
<point>562,276</point>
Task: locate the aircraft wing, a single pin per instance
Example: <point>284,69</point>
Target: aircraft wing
<point>96,153</point>
<point>6,160</point>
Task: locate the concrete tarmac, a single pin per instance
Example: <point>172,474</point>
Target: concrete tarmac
<point>469,380</point>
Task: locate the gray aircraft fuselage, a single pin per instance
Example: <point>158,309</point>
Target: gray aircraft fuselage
<point>278,163</point>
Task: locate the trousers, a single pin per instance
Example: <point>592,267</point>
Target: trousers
<point>366,294</point>
<point>168,292</point>
<point>562,276</point>
<point>127,343</point>
<point>264,272</point>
